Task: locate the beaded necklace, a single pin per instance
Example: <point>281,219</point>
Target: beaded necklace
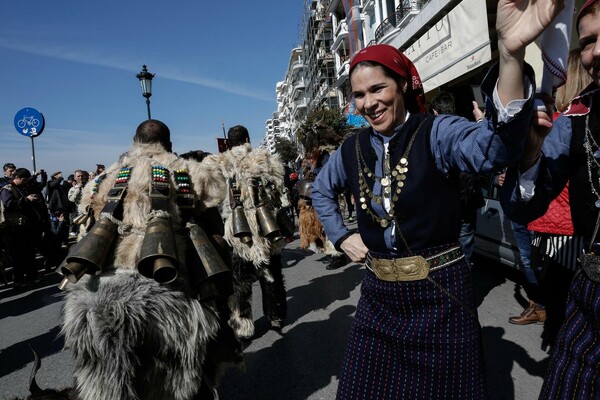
<point>592,158</point>
<point>392,182</point>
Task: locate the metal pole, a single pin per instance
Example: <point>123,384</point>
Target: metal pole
<point>148,105</point>
<point>33,155</point>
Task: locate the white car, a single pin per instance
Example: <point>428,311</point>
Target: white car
<point>494,237</point>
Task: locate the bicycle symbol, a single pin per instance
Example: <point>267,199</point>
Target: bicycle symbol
<point>31,121</point>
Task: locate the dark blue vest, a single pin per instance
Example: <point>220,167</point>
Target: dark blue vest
<point>428,206</point>
<point>581,197</point>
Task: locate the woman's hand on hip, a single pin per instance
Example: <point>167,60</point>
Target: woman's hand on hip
<point>355,248</point>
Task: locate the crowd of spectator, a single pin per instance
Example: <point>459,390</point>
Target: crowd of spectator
<point>37,214</point>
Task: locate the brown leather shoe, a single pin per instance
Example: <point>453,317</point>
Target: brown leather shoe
<point>534,313</point>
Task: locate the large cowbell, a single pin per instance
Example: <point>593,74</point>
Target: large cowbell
<point>268,225</point>
<point>210,275</point>
<point>240,226</point>
<point>90,253</point>
<point>158,256</point>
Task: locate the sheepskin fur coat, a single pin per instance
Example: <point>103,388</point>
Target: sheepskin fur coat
<point>245,164</point>
<point>137,205</point>
<point>132,337</point>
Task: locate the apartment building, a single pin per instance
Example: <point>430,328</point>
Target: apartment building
<point>452,43</point>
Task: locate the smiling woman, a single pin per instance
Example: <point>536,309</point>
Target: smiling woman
<point>376,97</point>
<point>416,302</point>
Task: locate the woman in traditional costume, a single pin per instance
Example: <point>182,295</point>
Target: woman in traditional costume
<point>415,334</point>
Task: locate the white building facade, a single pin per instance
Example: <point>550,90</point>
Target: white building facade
<point>452,43</point>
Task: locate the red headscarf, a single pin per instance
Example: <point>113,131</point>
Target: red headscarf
<point>584,7</point>
<point>393,59</point>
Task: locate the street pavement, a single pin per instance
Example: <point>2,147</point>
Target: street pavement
<point>301,362</point>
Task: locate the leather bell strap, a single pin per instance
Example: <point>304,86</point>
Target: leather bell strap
<point>235,193</point>
<point>160,188</point>
<point>114,201</point>
<point>186,198</point>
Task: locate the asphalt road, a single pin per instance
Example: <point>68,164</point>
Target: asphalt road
<point>303,361</point>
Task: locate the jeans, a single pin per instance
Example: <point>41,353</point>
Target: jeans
<point>466,240</point>
<point>523,237</point>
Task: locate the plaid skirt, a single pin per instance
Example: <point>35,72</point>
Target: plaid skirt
<point>415,340</point>
<point>574,369</point>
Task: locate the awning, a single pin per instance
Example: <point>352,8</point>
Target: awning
<point>457,44</point>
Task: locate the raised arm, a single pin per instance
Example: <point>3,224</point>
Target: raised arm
<point>519,23</point>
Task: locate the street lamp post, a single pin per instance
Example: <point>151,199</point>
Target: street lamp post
<point>145,78</point>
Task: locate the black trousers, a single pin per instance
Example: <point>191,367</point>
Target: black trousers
<point>274,299</point>
<point>22,241</point>
<point>273,293</point>
<point>555,288</point>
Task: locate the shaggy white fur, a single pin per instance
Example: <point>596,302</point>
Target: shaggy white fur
<point>207,183</point>
<point>132,337</point>
<point>245,164</point>
<point>135,339</point>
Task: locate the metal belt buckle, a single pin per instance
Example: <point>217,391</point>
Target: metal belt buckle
<point>160,190</point>
<point>116,193</point>
<point>401,269</point>
<point>186,200</point>
<point>114,200</point>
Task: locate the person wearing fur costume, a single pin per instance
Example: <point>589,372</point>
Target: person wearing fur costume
<point>320,143</point>
<point>132,336</point>
<point>312,234</point>
<point>256,177</point>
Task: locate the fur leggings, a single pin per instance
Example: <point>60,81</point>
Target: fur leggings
<point>271,283</point>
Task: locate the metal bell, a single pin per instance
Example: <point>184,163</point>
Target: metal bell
<point>90,253</point>
<point>268,225</point>
<point>241,228</point>
<point>72,272</point>
<point>158,255</point>
<point>285,222</point>
<point>211,275</point>
<point>304,188</point>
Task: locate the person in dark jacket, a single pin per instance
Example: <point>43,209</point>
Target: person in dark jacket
<point>22,220</point>
<point>9,169</point>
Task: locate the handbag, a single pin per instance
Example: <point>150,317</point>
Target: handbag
<point>590,262</point>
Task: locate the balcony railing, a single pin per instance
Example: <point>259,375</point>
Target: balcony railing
<point>300,104</point>
<point>395,20</point>
<point>341,34</point>
<point>296,65</point>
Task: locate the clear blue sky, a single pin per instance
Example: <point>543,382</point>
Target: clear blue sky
<point>75,61</point>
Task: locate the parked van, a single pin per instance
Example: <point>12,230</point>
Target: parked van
<point>494,237</point>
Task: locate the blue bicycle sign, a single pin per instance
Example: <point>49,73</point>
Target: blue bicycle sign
<point>29,122</point>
